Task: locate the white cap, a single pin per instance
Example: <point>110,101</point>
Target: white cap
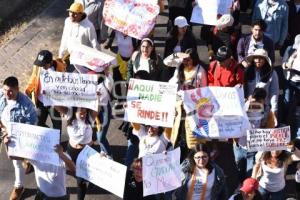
<point>180,21</point>
<point>224,21</point>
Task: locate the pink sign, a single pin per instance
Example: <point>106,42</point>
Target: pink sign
<point>135,18</point>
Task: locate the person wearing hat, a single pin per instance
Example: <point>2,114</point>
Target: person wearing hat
<point>224,70</point>
<point>223,34</point>
<point>291,66</point>
<point>44,61</point>
<point>255,40</point>
<point>260,74</point>
<point>93,10</point>
<point>248,191</point>
<point>181,38</point>
<point>77,29</point>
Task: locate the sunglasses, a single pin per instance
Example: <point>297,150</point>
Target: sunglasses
<point>200,157</point>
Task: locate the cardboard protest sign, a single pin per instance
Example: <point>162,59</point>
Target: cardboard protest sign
<point>34,142</point>
<point>101,171</point>
<point>161,172</point>
<point>206,11</point>
<point>135,18</point>
<point>216,112</point>
<point>69,89</point>
<point>90,58</point>
<point>268,139</point>
<point>151,102</point>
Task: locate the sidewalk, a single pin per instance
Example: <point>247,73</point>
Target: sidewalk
<point>44,32</point>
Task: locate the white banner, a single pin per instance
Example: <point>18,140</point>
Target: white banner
<point>69,89</point>
<point>135,18</point>
<point>34,142</point>
<point>161,172</point>
<point>216,112</point>
<point>90,58</point>
<point>268,139</point>
<point>101,171</point>
<point>151,102</point>
<point>206,11</point>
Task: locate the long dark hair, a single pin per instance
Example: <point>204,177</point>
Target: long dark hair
<point>283,157</point>
<point>197,148</point>
<point>196,60</point>
<point>73,117</point>
<point>153,55</point>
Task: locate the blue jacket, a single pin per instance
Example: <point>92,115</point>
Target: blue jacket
<point>277,27</point>
<point>219,189</point>
<point>22,112</point>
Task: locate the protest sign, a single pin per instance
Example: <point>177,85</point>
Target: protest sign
<point>135,18</point>
<point>206,11</point>
<point>161,172</point>
<point>90,58</point>
<point>69,89</point>
<point>268,139</point>
<point>101,171</point>
<point>151,102</point>
<point>216,112</point>
<point>33,142</point>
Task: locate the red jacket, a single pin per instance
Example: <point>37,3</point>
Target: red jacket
<point>225,76</point>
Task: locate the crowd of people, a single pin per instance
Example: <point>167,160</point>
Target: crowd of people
<point>235,60</point>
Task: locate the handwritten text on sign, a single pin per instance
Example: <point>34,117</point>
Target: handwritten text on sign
<point>34,142</point>
<point>151,102</point>
<point>268,139</point>
<point>69,89</point>
<point>101,171</point>
<point>215,112</point>
<point>132,17</point>
<point>161,172</point>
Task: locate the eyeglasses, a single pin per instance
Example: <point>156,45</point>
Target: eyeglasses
<point>200,157</point>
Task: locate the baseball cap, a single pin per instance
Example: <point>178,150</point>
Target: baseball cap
<point>180,22</point>
<point>44,57</point>
<point>223,53</point>
<point>76,8</point>
<point>249,185</point>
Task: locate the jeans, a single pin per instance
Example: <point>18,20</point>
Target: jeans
<point>291,96</point>
<point>19,173</point>
<point>43,113</point>
<point>266,195</point>
<point>244,162</point>
<point>132,152</point>
<point>105,117</point>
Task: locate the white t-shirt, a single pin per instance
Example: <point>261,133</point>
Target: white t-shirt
<point>125,46</point>
<point>273,179</point>
<point>200,174</point>
<point>144,65</point>
<point>148,144</point>
<point>79,132</point>
<point>50,179</point>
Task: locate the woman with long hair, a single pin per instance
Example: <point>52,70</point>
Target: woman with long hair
<point>273,166</point>
<point>146,59</point>
<point>202,178</point>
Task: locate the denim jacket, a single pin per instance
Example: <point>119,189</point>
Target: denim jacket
<point>22,112</point>
<point>219,189</point>
<point>277,28</point>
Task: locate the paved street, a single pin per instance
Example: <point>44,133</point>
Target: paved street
<point>16,59</point>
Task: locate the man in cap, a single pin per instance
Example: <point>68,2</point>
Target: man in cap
<point>44,61</point>
<point>15,107</point>
<point>256,40</point>
<point>224,71</point>
<point>77,29</point>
